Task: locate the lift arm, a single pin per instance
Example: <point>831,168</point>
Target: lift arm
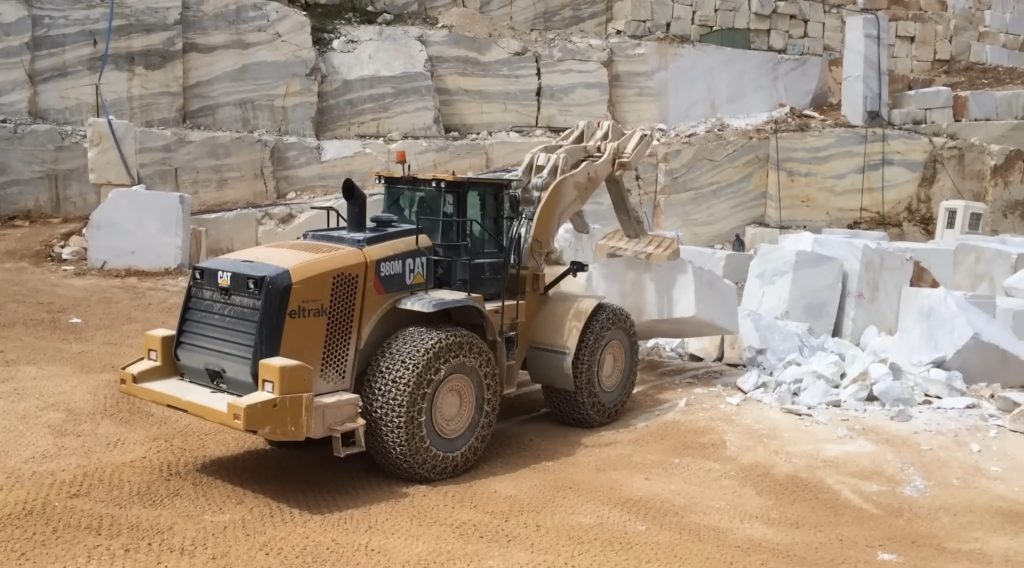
<point>563,176</point>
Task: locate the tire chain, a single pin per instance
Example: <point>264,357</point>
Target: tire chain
<point>584,407</point>
<point>395,400</point>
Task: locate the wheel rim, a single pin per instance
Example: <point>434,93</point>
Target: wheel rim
<point>454,406</point>
<point>612,365</point>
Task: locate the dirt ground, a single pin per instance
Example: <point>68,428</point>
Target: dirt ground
<point>90,477</point>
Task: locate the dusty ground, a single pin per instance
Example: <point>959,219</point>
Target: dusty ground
<point>91,477</point>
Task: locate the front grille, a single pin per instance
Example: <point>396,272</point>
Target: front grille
<point>215,325</point>
<point>339,341</point>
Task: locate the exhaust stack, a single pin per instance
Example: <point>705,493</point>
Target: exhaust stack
<point>356,200</point>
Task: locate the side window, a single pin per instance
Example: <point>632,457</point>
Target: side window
<point>485,206</point>
<point>974,223</point>
<point>950,218</point>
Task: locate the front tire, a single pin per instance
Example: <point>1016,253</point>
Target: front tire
<point>603,370</point>
<point>430,401</point>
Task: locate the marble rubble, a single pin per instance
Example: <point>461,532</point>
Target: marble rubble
<point>667,299</point>
<point>140,229</point>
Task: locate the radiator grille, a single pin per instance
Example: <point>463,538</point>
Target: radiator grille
<point>340,339</point>
<point>221,327</point>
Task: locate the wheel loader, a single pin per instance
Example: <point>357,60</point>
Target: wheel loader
<point>401,336</point>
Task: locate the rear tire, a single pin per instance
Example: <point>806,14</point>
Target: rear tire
<point>603,370</point>
<point>430,400</point>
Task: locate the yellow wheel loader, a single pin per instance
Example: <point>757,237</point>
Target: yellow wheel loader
<point>401,337</point>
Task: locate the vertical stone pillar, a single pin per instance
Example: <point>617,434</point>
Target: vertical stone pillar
<point>865,68</point>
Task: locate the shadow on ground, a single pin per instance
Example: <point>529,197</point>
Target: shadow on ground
<point>309,478</point>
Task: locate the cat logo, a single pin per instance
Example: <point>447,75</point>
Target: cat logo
<point>223,279</point>
<point>403,272</point>
<point>416,270</point>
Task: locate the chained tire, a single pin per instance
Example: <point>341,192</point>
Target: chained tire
<point>430,401</point>
<point>603,371</point>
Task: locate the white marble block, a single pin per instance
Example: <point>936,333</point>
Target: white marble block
<point>939,327</point>
<point>15,58</point>
<point>873,281</point>
<point>733,266</point>
<point>667,299</point>
<point>937,258</point>
<point>795,285</point>
<point>982,267</point>
<point>1014,285</point>
<point>880,236</point>
<point>1010,312</point>
<point>975,105</point>
<point>249,65</point>
<point>864,88</point>
<point>481,86</point>
<point>932,97</point>
<point>140,229</point>
<point>379,85</point>
<point>229,231</point>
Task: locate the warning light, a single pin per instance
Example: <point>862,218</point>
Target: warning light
<point>400,157</point>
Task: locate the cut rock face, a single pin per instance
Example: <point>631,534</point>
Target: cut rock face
<point>667,299</point>
<point>795,285</point>
<point>140,229</point>
<point>936,325</point>
<point>380,85</point>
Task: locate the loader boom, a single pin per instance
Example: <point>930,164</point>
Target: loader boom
<point>561,177</point>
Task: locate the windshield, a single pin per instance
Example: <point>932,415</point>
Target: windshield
<point>424,205</point>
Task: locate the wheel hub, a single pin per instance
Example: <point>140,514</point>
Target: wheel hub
<point>454,406</point>
<point>612,365</point>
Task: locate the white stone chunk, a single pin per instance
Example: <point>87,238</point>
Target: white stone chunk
<point>894,394</point>
<point>667,299</point>
<point>873,280</point>
<point>733,266</point>
<point>975,105</point>
<point>939,115</point>
<point>106,166</point>
<point>932,97</point>
<point>983,267</point>
<point>762,7</point>
<point>939,383</point>
<point>865,68</point>
<point>1014,285</point>
<point>1010,312</point>
<point>706,348</point>
<point>937,258</point>
<point>229,231</point>
<point>1007,401</point>
<point>795,285</point>
<point>1010,105</point>
<point>140,229</point>
<point>938,325</point>
<point>768,342</point>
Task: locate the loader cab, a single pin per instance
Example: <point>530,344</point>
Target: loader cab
<point>466,219</point>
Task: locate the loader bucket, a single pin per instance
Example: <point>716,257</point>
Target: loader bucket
<point>654,248</point>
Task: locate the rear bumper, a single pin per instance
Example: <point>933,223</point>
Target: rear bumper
<point>284,409</point>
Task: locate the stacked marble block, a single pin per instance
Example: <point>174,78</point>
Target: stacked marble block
<point>921,40</point>
<point>865,94</point>
<point>976,106</point>
<point>1001,37</point>
<point>933,105</point>
<point>790,26</point>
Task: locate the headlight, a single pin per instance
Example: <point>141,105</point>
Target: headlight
<point>197,274</point>
<point>268,386</point>
<point>252,284</point>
